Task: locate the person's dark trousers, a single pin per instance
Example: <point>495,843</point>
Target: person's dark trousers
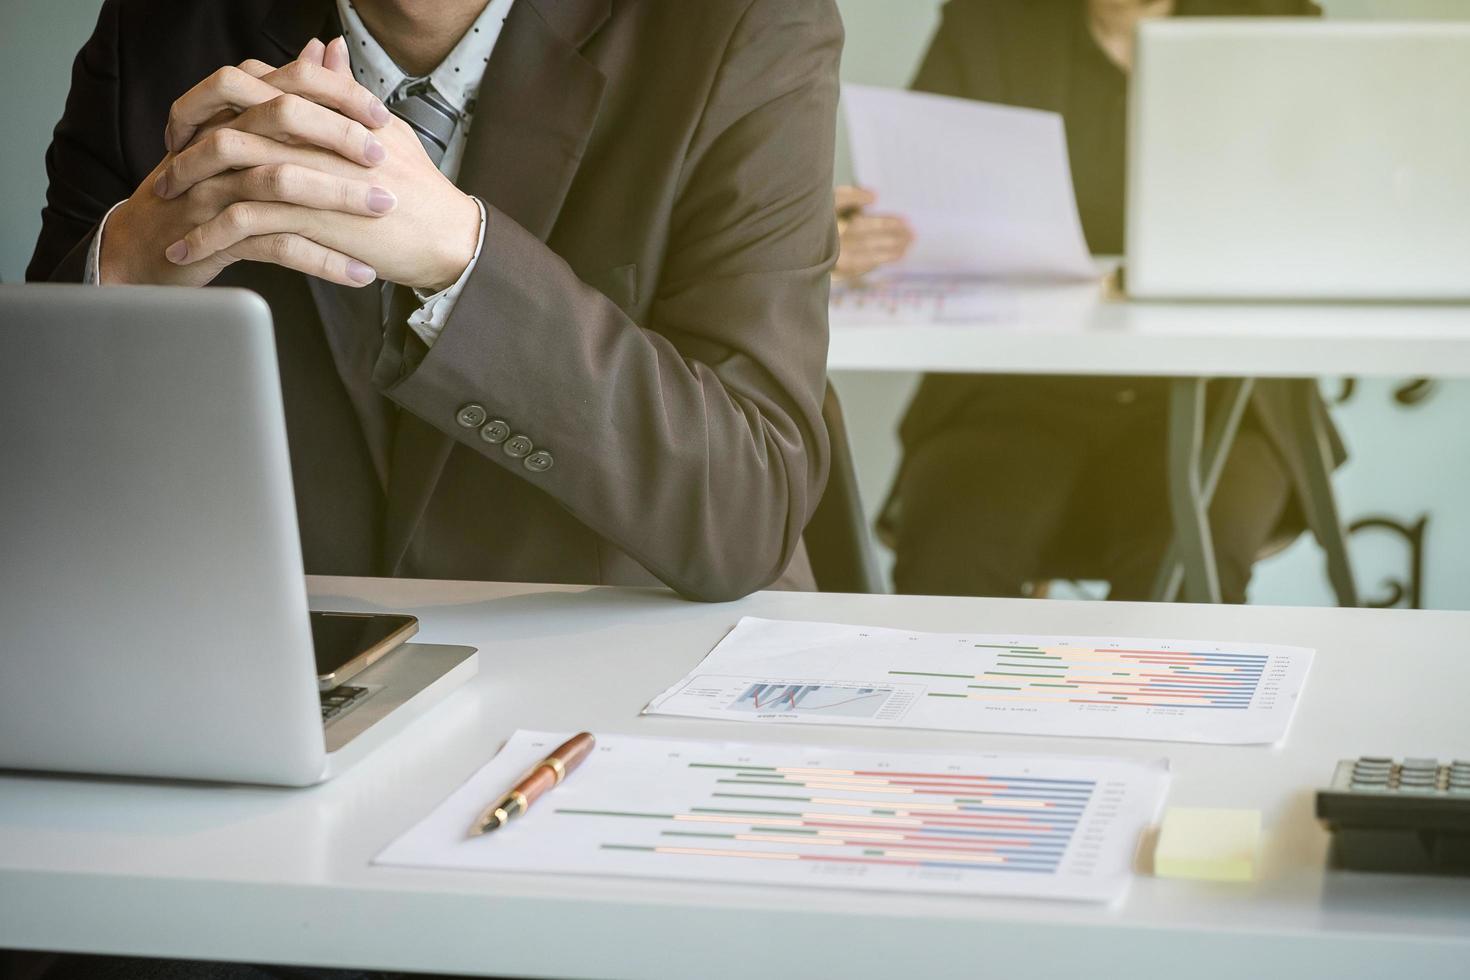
<point>1065,478</point>
<point>147,968</point>
<point>17,965</point>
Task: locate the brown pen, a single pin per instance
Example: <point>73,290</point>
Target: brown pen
<point>544,775</point>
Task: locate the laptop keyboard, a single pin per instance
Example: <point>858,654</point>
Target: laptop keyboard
<point>339,699</point>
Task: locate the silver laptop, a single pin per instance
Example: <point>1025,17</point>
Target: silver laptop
<point>1298,159</point>
<point>153,610</point>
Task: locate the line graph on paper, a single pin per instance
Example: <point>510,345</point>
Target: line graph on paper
<point>771,697</point>
<point>1107,687</point>
<point>854,701</point>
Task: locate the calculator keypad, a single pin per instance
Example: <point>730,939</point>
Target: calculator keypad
<point>1414,776</point>
<point>1404,816</point>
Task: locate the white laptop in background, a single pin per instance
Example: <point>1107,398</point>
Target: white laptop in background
<point>1286,158</point>
<point>153,610</point>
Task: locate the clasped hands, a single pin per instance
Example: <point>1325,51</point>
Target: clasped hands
<point>298,166</point>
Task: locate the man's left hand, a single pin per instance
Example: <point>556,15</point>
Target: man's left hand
<point>425,242</point>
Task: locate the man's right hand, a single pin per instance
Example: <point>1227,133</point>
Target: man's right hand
<point>281,122</point>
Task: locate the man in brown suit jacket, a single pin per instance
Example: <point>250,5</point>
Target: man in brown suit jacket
<point>628,387</point>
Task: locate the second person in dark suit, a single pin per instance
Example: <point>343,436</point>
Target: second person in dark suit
<point>1007,480</point>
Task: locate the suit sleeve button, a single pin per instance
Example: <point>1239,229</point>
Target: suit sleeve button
<point>495,431</point>
<point>518,447</point>
<point>471,416</point>
<point>539,462</point>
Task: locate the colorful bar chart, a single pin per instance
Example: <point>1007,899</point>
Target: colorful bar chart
<point>779,814</point>
<point>914,819</point>
<point>1148,678</point>
<point>1100,687</point>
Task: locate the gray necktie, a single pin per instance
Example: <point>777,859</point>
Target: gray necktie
<point>433,120</point>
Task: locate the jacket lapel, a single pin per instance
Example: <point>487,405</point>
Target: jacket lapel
<point>535,111</point>
<point>352,321</point>
<point>291,23</point>
<point>533,117</point>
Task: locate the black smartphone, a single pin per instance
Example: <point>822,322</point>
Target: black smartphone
<point>347,643</point>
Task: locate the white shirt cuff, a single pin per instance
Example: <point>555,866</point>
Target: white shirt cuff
<point>428,320</point>
<point>93,275</point>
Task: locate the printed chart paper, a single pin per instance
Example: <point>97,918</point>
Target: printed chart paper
<point>1039,826</point>
<point>906,300</point>
<point>987,188</point>
<point>1103,687</point>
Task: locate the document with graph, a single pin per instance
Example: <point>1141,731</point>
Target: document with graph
<point>900,300</point>
<point>1102,687</point>
<point>777,814</point>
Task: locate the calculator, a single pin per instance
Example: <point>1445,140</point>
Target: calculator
<point>1409,815</point>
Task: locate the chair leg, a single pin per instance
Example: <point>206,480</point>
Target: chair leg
<point>1219,438</point>
<point>1187,503</point>
<point>1320,502</point>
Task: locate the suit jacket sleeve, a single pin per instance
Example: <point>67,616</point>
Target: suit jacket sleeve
<point>693,441</point>
<point>84,163</point>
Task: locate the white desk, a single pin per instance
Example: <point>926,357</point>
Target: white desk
<point>1089,329</point>
<point>275,875</point>
<point>1072,330</point>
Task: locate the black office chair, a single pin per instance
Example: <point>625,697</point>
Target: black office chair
<point>1060,566</point>
<point>1218,430</point>
<point>837,535</point>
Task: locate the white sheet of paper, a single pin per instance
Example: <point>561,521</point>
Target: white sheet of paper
<point>967,300</point>
<point>772,814</point>
<point>1103,687</point>
<point>987,188</point>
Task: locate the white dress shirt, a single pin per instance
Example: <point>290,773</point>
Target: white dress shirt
<point>457,80</point>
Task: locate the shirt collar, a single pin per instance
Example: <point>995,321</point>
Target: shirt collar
<point>458,76</point>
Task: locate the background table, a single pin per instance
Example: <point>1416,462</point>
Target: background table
<point>1061,330</point>
<point>1090,329</point>
<point>280,875</point>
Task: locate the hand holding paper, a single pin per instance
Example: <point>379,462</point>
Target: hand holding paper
<point>987,189</point>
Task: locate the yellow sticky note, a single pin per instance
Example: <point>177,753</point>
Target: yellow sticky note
<point>1208,844</point>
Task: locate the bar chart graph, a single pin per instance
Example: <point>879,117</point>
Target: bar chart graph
<point>810,816</point>
<point>1076,675</point>
<point>914,819</point>
<point>1102,687</point>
